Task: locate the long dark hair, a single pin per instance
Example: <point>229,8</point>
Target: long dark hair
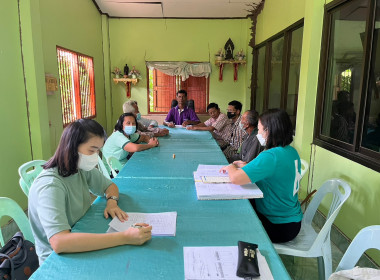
<point>119,123</point>
<point>279,126</point>
<point>66,156</point>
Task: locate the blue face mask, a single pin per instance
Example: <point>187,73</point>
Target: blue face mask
<point>138,116</point>
<point>130,129</point>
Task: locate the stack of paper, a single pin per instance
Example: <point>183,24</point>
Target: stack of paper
<point>210,184</point>
<point>218,263</point>
<point>227,191</point>
<point>163,224</point>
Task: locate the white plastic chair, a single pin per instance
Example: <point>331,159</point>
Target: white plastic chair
<point>367,238</point>
<point>310,244</point>
<point>103,168</point>
<point>28,172</point>
<point>114,165</point>
<point>10,208</point>
<point>304,167</point>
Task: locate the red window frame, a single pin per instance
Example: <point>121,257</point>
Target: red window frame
<point>162,90</point>
<point>77,85</point>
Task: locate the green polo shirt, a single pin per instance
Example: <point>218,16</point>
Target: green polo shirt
<point>114,145</point>
<point>276,172</point>
<point>56,203</point>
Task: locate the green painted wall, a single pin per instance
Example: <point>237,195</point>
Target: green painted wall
<point>135,41</point>
<point>75,25</point>
<point>276,16</point>
<point>361,209</point>
<point>14,143</point>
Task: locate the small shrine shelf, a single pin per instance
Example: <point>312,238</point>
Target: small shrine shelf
<point>127,82</point>
<point>236,63</point>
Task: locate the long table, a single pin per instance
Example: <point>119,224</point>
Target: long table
<point>164,184</point>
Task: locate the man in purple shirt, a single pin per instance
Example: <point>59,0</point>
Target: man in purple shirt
<point>181,114</point>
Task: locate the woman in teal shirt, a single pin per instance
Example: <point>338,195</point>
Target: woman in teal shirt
<point>125,140</point>
<point>276,171</point>
<point>60,196</point>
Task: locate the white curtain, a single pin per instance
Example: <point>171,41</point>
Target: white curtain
<point>183,69</point>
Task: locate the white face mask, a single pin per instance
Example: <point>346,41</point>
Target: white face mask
<point>86,162</point>
<point>261,139</point>
<point>241,125</point>
<point>130,129</point>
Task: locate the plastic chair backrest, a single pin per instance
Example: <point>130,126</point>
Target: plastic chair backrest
<point>114,164</point>
<point>304,167</point>
<point>103,168</point>
<point>367,238</point>
<point>28,172</point>
<point>330,186</point>
<point>9,207</point>
<point>190,104</point>
<point>174,103</point>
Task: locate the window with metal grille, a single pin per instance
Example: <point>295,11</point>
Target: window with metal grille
<point>77,85</point>
<point>162,90</point>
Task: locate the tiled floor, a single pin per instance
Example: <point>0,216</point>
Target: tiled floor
<point>307,268</point>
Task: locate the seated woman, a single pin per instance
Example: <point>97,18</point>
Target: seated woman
<point>146,126</point>
<point>276,172</point>
<point>125,140</point>
<point>60,196</point>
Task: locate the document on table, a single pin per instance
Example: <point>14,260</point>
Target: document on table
<point>227,191</point>
<point>210,174</point>
<point>218,263</point>
<point>163,224</point>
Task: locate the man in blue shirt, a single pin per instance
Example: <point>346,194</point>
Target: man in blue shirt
<point>181,114</point>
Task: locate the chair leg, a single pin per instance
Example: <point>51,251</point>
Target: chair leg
<point>327,259</point>
<point>321,268</point>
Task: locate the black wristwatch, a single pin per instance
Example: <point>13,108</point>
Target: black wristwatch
<point>113,197</point>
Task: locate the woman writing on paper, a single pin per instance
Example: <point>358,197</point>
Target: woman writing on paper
<point>125,140</point>
<point>276,172</point>
<point>60,196</point>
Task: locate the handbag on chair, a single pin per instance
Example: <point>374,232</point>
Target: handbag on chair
<point>18,259</point>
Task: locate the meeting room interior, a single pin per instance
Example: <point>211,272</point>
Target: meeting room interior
<point>190,139</point>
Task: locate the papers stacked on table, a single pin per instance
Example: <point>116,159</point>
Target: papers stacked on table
<point>218,263</point>
<point>163,224</point>
<point>210,184</point>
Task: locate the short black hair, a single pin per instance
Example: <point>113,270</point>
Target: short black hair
<point>237,105</point>
<point>252,117</point>
<point>66,156</point>
<point>182,91</point>
<point>279,127</point>
<point>119,123</point>
<point>212,105</point>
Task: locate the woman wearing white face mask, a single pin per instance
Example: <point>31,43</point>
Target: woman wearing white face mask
<point>60,196</point>
<point>125,140</point>
<point>276,172</point>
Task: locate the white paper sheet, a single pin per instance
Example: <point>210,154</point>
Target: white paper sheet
<point>218,263</point>
<point>227,191</point>
<point>163,224</point>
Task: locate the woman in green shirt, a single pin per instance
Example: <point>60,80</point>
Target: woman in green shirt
<point>60,196</point>
<point>276,171</point>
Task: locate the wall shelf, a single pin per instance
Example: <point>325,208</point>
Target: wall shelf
<point>219,62</point>
<point>127,82</point>
<point>236,63</point>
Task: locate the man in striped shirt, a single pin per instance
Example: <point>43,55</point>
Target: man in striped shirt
<point>217,124</point>
<point>236,134</point>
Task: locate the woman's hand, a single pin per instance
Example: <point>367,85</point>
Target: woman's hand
<point>239,163</point>
<point>190,127</point>
<point>138,236</point>
<point>153,142</point>
<point>113,210</point>
<point>225,169</point>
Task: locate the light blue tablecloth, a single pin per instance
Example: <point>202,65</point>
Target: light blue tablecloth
<point>199,223</point>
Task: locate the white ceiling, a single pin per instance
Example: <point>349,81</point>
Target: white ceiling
<point>176,8</point>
